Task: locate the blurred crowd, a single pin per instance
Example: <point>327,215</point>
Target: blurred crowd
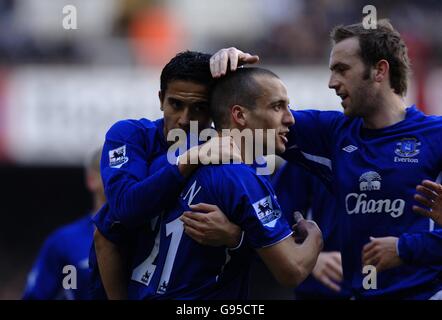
<point>149,31</point>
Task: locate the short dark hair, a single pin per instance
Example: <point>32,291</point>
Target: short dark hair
<point>236,88</point>
<point>384,42</point>
<point>189,66</point>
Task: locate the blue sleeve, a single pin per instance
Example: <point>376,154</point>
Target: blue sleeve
<point>293,187</point>
<point>421,249</point>
<point>133,194</point>
<point>45,279</point>
<point>311,141</point>
<point>112,230</point>
<point>250,202</point>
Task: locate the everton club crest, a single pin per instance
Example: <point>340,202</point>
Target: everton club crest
<point>407,147</point>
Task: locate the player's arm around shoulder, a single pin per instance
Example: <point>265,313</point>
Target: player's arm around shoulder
<point>290,262</point>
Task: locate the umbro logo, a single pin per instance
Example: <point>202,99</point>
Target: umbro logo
<point>350,148</point>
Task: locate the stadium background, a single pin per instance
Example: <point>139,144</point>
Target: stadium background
<point>60,90</point>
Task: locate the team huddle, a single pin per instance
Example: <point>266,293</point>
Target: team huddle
<point>182,224</point>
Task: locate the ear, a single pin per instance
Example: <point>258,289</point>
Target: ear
<point>161,97</point>
<point>239,115</point>
<point>91,180</point>
<point>382,69</point>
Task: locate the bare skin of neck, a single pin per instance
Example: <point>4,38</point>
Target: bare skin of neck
<point>391,111</point>
<point>99,201</point>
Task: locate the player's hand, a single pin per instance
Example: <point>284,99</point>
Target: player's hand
<point>429,195</point>
<point>381,253</point>
<point>328,270</point>
<point>305,228</point>
<point>208,225</point>
<point>215,151</point>
<point>219,150</point>
<point>220,60</point>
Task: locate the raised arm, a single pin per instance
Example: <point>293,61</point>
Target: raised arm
<point>128,182</point>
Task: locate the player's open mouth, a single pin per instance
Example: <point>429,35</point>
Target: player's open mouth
<point>343,96</point>
<point>283,137</point>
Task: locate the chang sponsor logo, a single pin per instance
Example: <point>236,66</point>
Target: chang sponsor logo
<point>356,203</point>
<point>370,181</point>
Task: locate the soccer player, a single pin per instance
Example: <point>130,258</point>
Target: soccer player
<point>179,267</point>
<point>299,190</point>
<point>68,246</point>
<point>373,155</point>
<point>134,191</point>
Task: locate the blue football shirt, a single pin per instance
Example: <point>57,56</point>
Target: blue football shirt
<point>67,246</point>
<point>374,174</point>
<point>180,268</point>
<point>299,190</point>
